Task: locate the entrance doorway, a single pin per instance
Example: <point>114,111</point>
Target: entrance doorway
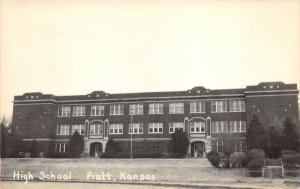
<point>198,149</point>
<point>95,149</point>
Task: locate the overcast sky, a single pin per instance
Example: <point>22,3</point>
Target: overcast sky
<point>77,47</point>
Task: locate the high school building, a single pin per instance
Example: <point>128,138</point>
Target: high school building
<point>149,119</point>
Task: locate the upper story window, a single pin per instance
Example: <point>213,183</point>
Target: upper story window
<point>96,129</point>
<point>63,130</point>
<point>116,128</point>
<point>237,126</point>
<point>197,107</point>
<point>173,126</point>
<point>136,128</point>
<point>219,106</point>
<point>219,127</point>
<point>64,111</point>
<point>136,109</point>
<point>197,127</point>
<point>116,109</point>
<point>237,106</point>
<point>176,108</point>
<point>156,108</point>
<point>97,110</point>
<point>79,128</point>
<point>155,128</point>
<point>78,111</point>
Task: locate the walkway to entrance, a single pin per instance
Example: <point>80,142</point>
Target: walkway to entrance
<point>198,149</point>
<point>95,149</point>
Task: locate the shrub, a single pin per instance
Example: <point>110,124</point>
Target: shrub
<point>214,158</point>
<point>284,152</point>
<point>76,145</point>
<point>237,159</point>
<point>255,153</point>
<point>179,143</point>
<point>291,161</point>
<point>112,149</point>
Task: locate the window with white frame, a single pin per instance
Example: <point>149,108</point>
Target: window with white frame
<point>237,126</point>
<point>116,109</point>
<point>116,128</point>
<point>136,128</point>
<point>237,106</point>
<point>173,126</point>
<point>63,130</point>
<point>219,127</point>
<point>238,147</point>
<point>197,107</point>
<point>96,129</point>
<point>219,146</point>
<point>219,106</point>
<point>156,108</point>
<point>60,147</point>
<point>97,110</point>
<point>79,128</point>
<point>176,108</point>
<point>155,128</point>
<point>197,127</point>
<point>136,109</point>
<point>64,111</point>
<point>78,111</point>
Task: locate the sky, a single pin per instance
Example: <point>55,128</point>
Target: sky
<point>76,47</point>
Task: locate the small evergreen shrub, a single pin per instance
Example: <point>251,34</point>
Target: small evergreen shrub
<point>214,158</point>
<point>237,159</point>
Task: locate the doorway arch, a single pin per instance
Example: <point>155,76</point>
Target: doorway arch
<point>95,149</point>
<point>198,149</point>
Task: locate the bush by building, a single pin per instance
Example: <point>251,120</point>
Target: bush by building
<point>179,143</point>
<point>237,159</point>
<point>76,145</point>
<point>214,158</point>
<point>255,161</point>
<point>112,150</point>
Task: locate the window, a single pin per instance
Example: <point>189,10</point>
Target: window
<point>64,111</point>
<point>197,107</point>
<point>176,108</point>
<point>116,128</point>
<point>237,106</point>
<point>97,110</point>
<point>155,128</point>
<point>218,106</point>
<point>197,127</point>
<point>219,146</point>
<point>155,108</point>
<point>63,130</point>
<point>173,126</point>
<point>60,147</point>
<point>136,128</point>
<point>136,109</point>
<point>237,126</point>
<point>78,111</point>
<point>219,127</point>
<point>79,128</point>
<point>116,109</point>
<point>96,129</point>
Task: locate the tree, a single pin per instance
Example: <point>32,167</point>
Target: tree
<point>34,151</point>
<point>256,136</point>
<point>289,136</point>
<point>112,149</point>
<point>4,136</point>
<point>76,144</point>
<point>274,148</point>
<point>180,143</point>
<point>11,143</point>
